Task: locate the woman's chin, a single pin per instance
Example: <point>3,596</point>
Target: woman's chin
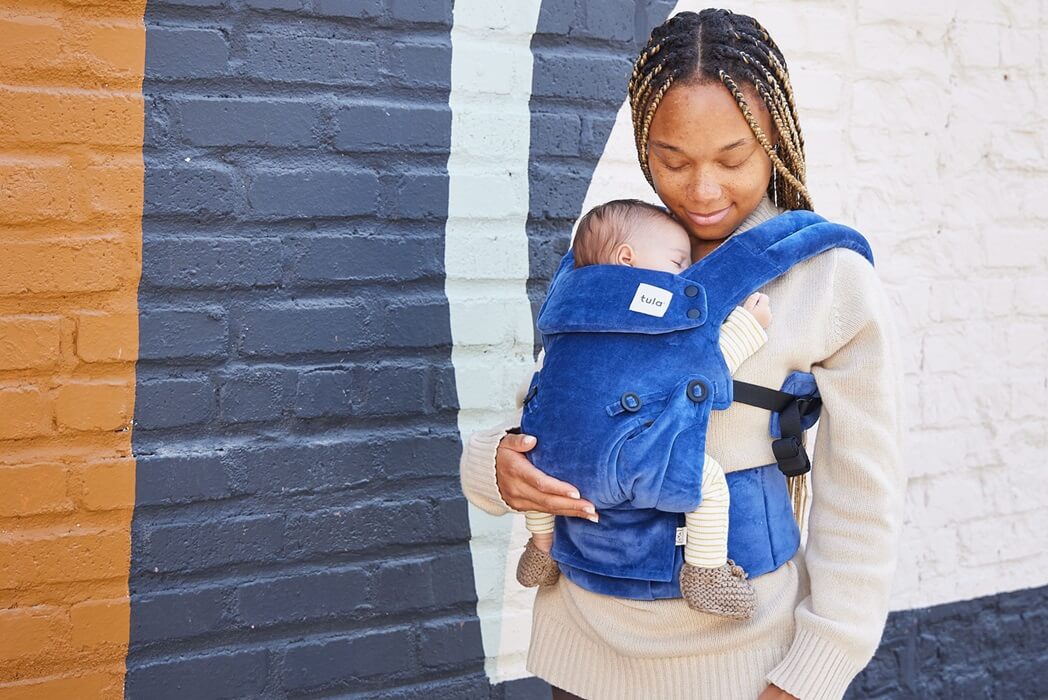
<point>709,235</point>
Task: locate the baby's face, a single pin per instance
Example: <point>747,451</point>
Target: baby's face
<point>661,244</point>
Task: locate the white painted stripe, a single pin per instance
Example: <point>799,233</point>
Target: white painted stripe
<point>486,259</point>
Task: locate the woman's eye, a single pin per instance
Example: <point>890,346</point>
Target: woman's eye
<point>734,165</point>
<point>674,166</point>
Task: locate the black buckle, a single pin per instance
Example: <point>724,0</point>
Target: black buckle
<point>808,405</point>
<point>791,456</point>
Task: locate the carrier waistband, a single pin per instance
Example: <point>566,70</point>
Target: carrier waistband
<point>762,536</point>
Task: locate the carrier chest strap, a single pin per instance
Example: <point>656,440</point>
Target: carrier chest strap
<point>788,449</point>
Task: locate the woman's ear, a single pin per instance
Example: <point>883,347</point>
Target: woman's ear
<point>624,255</point>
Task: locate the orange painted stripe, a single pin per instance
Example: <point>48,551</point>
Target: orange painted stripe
<point>71,127</point>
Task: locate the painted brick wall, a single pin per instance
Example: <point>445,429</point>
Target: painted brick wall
<point>924,129</point>
<point>70,202</point>
<point>299,527</point>
<point>338,281</point>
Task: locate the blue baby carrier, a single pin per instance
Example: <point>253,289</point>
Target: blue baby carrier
<point>621,406</point>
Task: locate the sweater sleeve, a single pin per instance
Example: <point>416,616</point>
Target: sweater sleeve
<point>741,335</point>
<point>477,463</point>
<point>858,490</point>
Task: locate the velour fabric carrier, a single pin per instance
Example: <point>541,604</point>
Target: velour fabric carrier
<point>631,372</point>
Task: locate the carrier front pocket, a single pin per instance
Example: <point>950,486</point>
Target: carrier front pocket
<point>633,414</point>
<point>646,456</point>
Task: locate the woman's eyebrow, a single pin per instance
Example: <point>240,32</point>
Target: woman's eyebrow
<point>734,144</point>
<point>668,147</point>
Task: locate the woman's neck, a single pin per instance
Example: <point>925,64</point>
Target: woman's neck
<point>764,211</point>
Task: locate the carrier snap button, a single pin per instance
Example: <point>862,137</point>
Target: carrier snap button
<point>697,390</point>
<point>691,291</point>
<point>630,402</point>
<point>693,313</point>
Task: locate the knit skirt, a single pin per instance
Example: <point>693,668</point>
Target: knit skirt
<point>604,648</point>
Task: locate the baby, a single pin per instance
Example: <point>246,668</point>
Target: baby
<point>638,234</point>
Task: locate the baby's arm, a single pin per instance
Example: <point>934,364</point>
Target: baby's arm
<point>743,332</point>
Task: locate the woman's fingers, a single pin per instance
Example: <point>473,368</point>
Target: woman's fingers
<point>518,442</point>
<point>526,487</point>
<point>545,483</point>
<point>530,498</point>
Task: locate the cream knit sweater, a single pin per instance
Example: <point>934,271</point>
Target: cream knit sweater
<point>820,616</point>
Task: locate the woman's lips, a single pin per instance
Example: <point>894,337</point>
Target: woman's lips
<point>711,218</point>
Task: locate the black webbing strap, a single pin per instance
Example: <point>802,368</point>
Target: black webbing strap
<point>788,449</point>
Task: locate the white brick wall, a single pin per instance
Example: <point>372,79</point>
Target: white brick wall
<point>486,262</point>
<point>927,129</point>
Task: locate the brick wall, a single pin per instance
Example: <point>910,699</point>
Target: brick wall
<point>298,525</point>
<point>351,209</point>
<point>925,131</point>
<point>71,197</point>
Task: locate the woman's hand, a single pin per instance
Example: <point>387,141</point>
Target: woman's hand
<point>525,487</point>
<point>774,692</point>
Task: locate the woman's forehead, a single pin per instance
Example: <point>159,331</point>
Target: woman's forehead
<point>701,117</point>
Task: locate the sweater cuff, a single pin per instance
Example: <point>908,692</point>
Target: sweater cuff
<point>814,669</point>
<point>741,335</point>
<point>477,469</point>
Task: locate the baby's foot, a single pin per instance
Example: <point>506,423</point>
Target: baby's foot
<point>536,568</point>
<point>721,591</point>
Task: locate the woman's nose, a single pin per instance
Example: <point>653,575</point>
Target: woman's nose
<point>705,189</point>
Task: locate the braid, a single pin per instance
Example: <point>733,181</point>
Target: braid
<point>720,46</point>
<point>794,185</point>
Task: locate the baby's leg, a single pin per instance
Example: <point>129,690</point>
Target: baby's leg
<point>708,524</point>
<point>709,581</point>
<point>540,525</point>
<point>535,566</point>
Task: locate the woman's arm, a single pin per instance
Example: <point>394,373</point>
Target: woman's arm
<point>497,477</point>
<point>858,491</point>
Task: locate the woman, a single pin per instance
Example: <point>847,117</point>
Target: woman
<point>718,139</point>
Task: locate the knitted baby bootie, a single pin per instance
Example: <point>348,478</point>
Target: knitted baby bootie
<point>722,591</point>
<point>536,568</point>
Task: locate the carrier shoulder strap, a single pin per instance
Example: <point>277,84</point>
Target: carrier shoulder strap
<point>750,260</point>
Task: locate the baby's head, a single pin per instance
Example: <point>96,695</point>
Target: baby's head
<point>631,232</point>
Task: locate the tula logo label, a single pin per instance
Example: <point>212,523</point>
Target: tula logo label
<point>651,300</point>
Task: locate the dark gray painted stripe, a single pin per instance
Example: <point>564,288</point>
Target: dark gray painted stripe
<point>299,527</point>
<point>990,647</point>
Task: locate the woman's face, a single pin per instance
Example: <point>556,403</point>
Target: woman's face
<point>707,165</point>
